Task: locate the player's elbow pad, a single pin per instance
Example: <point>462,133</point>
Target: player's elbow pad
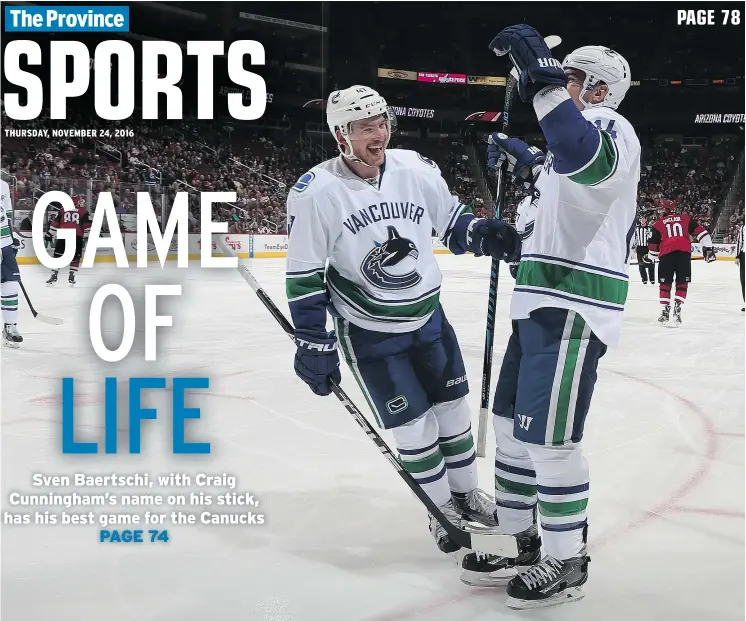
<point>572,140</point>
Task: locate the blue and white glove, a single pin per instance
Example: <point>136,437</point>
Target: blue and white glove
<point>317,360</point>
<point>524,161</point>
<point>532,59</point>
<point>16,244</point>
<point>513,269</point>
<point>494,238</point>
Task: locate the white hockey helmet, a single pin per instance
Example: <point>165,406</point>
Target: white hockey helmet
<point>353,104</point>
<point>601,64</point>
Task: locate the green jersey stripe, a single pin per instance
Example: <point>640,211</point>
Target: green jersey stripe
<point>573,281</point>
<point>299,287</point>
<point>602,166</point>
<point>357,298</point>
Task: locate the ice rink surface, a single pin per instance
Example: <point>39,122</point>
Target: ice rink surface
<point>345,540</point>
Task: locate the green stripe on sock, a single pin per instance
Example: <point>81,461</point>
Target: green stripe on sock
<point>562,509</point>
<point>10,302</point>
<point>422,465</point>
<point>511,487</point>
<point>457,447</point>
<point>568,373</point>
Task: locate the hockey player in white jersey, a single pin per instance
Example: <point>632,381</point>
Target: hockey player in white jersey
<point>566,309</point>
<point>9,274</point>
<point>370,213</point>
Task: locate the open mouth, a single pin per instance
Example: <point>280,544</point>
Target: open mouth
<point>376,151</point>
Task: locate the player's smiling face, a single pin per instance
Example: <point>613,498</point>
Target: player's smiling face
<point>369,138</point>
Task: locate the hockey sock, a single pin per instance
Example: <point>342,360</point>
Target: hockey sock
<point>562,484</point>
<point>457,444</point>
<point>665,293</point>
<point>681,289</point>
<point>419,451</point>
<point>9,299</point>
<point>515,480</point>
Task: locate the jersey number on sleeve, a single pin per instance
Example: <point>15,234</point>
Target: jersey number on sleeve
<point>609,128</point>
<point>675,229</point>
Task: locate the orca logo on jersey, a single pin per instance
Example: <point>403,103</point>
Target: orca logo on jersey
<point>391,253</point>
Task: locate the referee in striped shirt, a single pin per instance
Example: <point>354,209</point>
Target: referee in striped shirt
<point>644,261</point>
<point>740,259</point>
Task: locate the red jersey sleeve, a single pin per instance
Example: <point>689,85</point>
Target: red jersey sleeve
<point>696,230</point>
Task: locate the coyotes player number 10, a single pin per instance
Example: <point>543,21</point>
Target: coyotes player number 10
<point>675,229</point>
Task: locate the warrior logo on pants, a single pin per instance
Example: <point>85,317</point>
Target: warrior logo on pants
<point>391,253</point>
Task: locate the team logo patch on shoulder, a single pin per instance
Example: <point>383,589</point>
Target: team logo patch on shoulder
<point>427,161</point>
<point>304,182</point>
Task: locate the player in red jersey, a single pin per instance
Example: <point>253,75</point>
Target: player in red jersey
<point>671,239</point>
<point>78,219</point>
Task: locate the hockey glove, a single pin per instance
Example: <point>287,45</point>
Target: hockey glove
<point>524,161</point>
<point>317,360</point>
<point>16,244</point>
<point>513,269</point>
<point>532,59</point>
<point>709,254</point>
<point>494,238</point>
<point>646,258</point>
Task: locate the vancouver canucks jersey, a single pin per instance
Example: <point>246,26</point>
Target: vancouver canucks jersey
<point>576,256</point>
<point>376,236</point>
<point>6,215</point>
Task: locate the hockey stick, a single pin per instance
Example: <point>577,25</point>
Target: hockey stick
<point>45,318</point>
<point>503,545</point>
<point>489,338</point>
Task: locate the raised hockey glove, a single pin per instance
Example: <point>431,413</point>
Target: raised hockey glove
<point>709,254</point>
<point>317,360</point>
<point>494,238</point>
<point>530,55</point>
<point>524,161</point>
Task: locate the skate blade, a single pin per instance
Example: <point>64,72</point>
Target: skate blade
<point>572,594</point>
<point>495,579</point>
<point>11,345</point>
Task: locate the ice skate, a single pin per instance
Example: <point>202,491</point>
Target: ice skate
<point>11,336</point>
<point>549,583</point>
<point>52,279</point>
<point>665,314</point>
<point>676,314</point>
<point>71,279</point>
<point>485,570</point>
<point>476,506</point>
<point>445,544</point>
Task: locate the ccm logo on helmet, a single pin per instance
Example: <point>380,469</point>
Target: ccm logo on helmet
<point>335,97</point>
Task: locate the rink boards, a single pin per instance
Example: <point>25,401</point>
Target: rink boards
<point>264,247</point>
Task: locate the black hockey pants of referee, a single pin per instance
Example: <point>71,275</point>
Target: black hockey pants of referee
<point>741,260</point>
<point>647,270</point>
